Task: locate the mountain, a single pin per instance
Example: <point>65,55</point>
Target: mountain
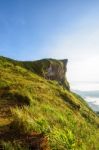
<point>88,93</point>
<point>92,98</point>
<point>39,112</point>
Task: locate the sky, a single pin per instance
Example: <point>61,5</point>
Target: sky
<point>36,29</point>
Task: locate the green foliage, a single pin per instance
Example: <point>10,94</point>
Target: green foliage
<point>22,122</point>
<point>62,140</point>
<point>13,146</point>
<point>7,145</point>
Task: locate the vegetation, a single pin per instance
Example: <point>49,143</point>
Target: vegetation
<point>30,104</point>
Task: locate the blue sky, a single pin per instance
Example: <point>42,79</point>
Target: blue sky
<point>36,29</point>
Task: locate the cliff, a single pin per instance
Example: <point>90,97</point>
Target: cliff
<point>50,69</point>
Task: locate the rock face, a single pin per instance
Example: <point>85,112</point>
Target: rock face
<point>57,71</point>
<point>52,69</point>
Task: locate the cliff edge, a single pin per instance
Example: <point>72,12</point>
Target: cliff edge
<point>50,69</point>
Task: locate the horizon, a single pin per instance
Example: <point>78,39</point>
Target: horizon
<point>32,30</point>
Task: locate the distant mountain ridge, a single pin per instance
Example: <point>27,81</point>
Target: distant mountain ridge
<point>92,98</point>
<point>88,93</point>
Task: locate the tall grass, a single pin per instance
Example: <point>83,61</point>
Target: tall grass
<point>46,107</point>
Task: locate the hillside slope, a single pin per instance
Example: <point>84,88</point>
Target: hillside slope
<point>33,108</point>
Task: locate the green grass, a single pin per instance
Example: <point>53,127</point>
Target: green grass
<point>38,105</point>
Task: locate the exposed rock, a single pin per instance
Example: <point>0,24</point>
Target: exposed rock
<point>57,71</point>
<point>52,69</point>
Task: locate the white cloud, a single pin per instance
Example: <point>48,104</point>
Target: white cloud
<point>81,47</point>
<point>84,70</point>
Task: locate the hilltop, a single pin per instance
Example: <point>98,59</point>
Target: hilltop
<point>38,110</point>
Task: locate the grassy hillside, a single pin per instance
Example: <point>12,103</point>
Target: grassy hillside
<point>32,107</point>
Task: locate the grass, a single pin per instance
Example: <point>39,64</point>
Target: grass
<point>35,104</point>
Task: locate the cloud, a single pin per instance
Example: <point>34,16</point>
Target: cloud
<point>81,47</point>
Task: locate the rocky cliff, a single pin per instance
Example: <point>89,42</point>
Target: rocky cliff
<point>50,69</point>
